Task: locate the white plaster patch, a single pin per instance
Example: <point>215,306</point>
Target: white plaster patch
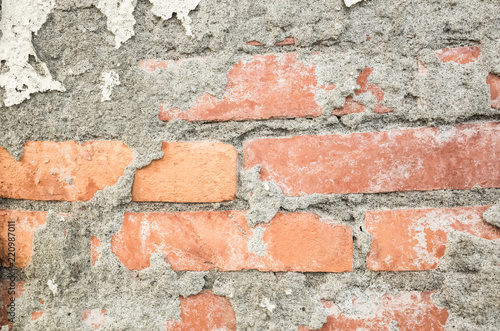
<point>120,18</point>
<point>21,72</point>
<point>266,303</point>
<point>110,79</point>
<point>349,3</point>
<point>52,286</point>
<point>165,9</point>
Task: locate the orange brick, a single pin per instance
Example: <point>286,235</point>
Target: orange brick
<point>268,86</point>
<point>204,311</point>
<point>494,82</point>
<point>62,170</point>
<point>400,160</point>
<point>206,240</point>
<point>460,55</point>
<point>36,315</point>
<point>351,106</point>
<point>26,223</point>
<point>285,42</point>
<point>410,310</point>
<point>254,43</point>
<point>415,239</point>
<point>189,172</point>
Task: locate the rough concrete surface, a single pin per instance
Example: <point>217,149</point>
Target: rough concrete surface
<point>69,71</point>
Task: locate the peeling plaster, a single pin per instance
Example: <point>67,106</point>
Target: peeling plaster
<point>120,18</point>
<point>110,79</point>
<point>349,3</point>
<point>21,72</point>
<point>166,8</point>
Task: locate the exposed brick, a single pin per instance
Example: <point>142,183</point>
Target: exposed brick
<point>285,42</point>
<point>254,43</point>
<point>268,86</point>
<point>36,315</point>
<point>206,240</point>
<point>494,82</point>
<point>95,244</point>
<point>94,318</point>
<point>152,65</point>
<point>410,310</point>
<point>415,239</point>
<point>26,223</point>
<point>5,287</point>
<point>62,170</point>
<point>460,55</point>
<point>189,172</point>
<point>400,160</point>
<point>204,311</point>
<point>352,106</point>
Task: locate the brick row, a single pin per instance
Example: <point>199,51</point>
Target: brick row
<point>188,171</point>
<point>372,162</point>
<point>206,240</point>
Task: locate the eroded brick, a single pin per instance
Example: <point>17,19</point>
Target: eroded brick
<point>415,239</point>
<point>26,222</point>
<point>409,310</point>
<point>268,86</point>
<point>460,55</point>
<point>206,240</point>
<point>62,170</point>
<point>204,311</point>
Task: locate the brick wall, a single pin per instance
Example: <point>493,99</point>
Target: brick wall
<point>309,190</point>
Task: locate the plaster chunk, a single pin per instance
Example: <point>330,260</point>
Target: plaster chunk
<point>166,8</point>
<point>349,3</point>
<point>110,79</point>
<point>120,18</point>
<point>21,72</point>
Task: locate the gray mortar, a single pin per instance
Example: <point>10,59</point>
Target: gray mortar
<point>492,215</point>
<point>77,47</point>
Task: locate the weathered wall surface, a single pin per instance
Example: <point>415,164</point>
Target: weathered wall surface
<point>251,165</point>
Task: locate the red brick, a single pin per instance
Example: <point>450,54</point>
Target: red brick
<point>62,170</point>
<point>189,172</point>
<point>460,55</point>
<point>351,106</point>
<point>268,86</point>
<point>285,42</point>
<point>206,240</point>
<point>204,311</point>
<point>494,82</point>
<point>26,223</point>
<point>415,239</point>
<point>94,318</point>
<point>36,315</point>
<point>371,162</point>
<point>410,310</point>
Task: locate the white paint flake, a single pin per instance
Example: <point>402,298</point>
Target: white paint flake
<point>166,8</point>
<point>52,286</point>
<point>349,3</point>
<point>21,72</point>
<point>110,79</point>
<point>120,18</point>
